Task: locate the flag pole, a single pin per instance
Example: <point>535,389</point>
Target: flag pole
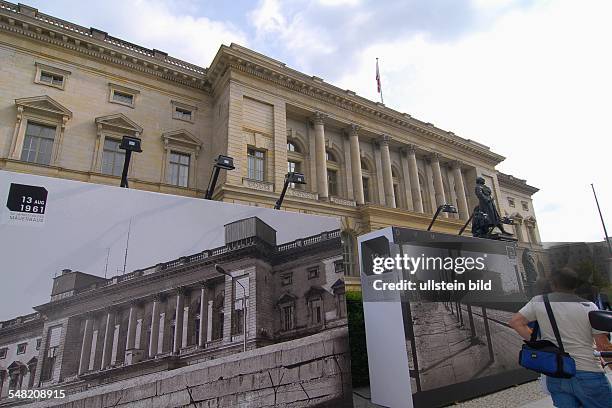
<point>602,220</point>
<point>379,83</point>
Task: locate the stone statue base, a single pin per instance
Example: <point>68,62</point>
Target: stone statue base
<point>500,237</point>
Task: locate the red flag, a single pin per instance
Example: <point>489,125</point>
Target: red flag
<point>377,77</point>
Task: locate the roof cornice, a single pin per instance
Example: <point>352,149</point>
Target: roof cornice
<point>515,183</point>
<point>91,42</point>
<point>255,64</point>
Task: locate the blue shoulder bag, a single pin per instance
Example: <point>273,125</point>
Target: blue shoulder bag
<point>544,356</point>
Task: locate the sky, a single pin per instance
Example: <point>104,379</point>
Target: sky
<point>86,229</point>
<point>531,79</point>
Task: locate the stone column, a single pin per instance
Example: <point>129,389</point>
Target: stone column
<point>203,316</point>
<point>437,179</point>
<point>415,186</point>
<point>320,159</point>
<point>464,212</point>
<point>406,179</point>
<point>131,328</point>
<point>107,345</point>
<point>86,345</point>
<point>178,321</point>
<point>356,165</point>
<point>387,173</point>
<point>154,327</point>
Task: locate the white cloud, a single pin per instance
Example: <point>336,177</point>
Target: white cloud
<point>535,87</point>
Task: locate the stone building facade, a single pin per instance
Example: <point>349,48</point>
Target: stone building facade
<point>178,313</point>
<point>70,92</point>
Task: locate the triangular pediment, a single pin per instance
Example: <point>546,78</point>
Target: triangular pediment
<point>181,136</point>
<point>314,291</point>
<point>44,104</point>
<point>119,121</point>
<point>286,298</point>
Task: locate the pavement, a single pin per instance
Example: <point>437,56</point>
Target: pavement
<point>528,395</point>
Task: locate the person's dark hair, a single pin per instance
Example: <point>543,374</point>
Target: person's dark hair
<point>565,279</point>
<point>543,286</point>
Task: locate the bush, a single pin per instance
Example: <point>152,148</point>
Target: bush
<point>357,339</point>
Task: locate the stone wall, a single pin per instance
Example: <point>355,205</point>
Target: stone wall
<point>312,371</point>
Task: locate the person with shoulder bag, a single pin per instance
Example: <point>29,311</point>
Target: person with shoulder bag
<point>564,352</point>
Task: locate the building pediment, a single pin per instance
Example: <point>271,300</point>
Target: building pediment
<point>181,136</point>
<point>286,298</point>
<point>314,291</point>
<point>119,122</point>
<point>43,104</point>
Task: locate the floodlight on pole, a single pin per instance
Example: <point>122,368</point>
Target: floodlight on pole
<point>447,208</point>
<point>129,144</point>
<point>293,178</point>
<point>222,271</point>
<point>221,162</point>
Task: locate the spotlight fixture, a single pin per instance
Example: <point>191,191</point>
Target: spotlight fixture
<point>221,162</point>
<point>293,178</point>
<point>129,144</point>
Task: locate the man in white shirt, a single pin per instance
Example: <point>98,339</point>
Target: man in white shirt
<point>589,387</point>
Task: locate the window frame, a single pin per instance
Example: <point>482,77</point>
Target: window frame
<point>284,318</point>
<point>176,105</point>
<point>289,279</point>
<point>316,270</point>
<point>45,124</point>
<point>3,352</point>
<point>25,348</point>
<point>53,71</point>
<point>511,202</point>
<point>112,138</point>
<point>116,88</point>
<point>263,160</point>
<point>180,153</point>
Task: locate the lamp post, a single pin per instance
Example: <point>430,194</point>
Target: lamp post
<point>221,162</point>
<point>221,270</point>
<point>129,144</point>
<point>447,208</point>
<point>292,177</point>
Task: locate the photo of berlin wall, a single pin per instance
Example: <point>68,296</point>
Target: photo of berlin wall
<point>256,316</point>
<point>458,337</point>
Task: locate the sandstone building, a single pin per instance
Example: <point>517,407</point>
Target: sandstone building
<point>180,313</point>
<point>68,94</point>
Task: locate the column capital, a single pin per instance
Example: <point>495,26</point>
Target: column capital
<point>434,157</point>
<point>410,149</point>
<point>318,117</point>
<point>384,139</point>
<point>159,297</point>
<point>353,129</point>
<point>456,164</point>
<point>181,290</point>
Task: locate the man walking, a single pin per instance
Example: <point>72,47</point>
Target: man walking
<point>589,388</point>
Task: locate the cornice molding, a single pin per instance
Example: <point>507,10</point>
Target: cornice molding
<point>234,57</point>
<point>97,44</point>
<point>515,183</point>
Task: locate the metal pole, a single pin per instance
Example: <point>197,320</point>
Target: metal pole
<point>466,224</point>
<point>244,318</point>
<point>434,218</point>
<point>279,202</point>
<point>213,182</point>
<point>126,165</point>
<point>603,224</point>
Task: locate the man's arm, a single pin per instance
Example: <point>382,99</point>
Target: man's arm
<point>520,324</point>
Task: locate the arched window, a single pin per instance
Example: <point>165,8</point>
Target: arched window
<point>397,190</point>
<point>332,173</point>
<point>366,176</point>
<point>293,147</point>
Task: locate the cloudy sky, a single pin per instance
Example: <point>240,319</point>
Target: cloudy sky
<point>84,233</point>
<point>529,78</point>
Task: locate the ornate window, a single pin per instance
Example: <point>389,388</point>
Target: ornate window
<point>313,272</point>
<point>332,182</point>
<point>112,157</point>
<point>51,76</point>
<point>108,158</point>
<point>288,316</point>
<point>511,202</point>
<point>181,150</point>
<point>286,306</point>
<point>39,130</point>
<point>525,205</point>
<point>315,309</point>
<point>183,111</point>
<point>21,348</point>
<point>256,164</point>
<point>178,172</point>
<point>286,279</point>
<point>122,95</point>
<point>241,304</point>
<point>397,190</point>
